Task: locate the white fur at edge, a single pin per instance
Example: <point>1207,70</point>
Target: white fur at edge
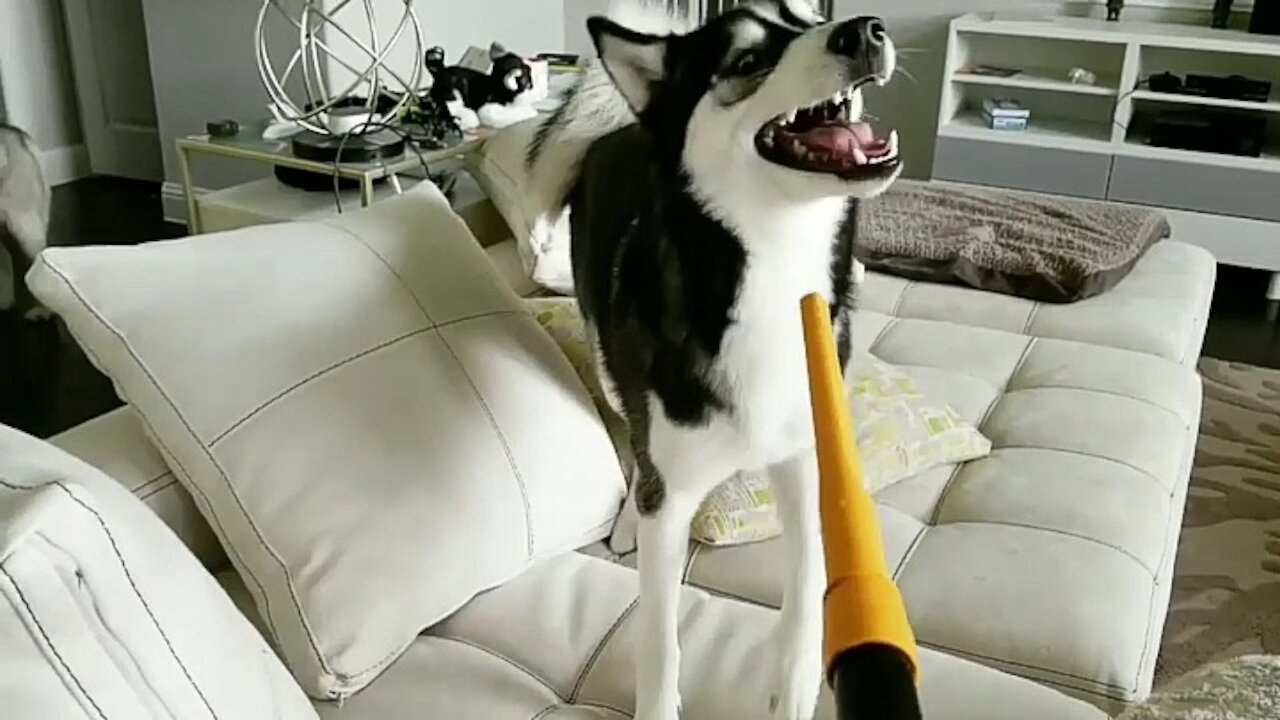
<point>597,108</point>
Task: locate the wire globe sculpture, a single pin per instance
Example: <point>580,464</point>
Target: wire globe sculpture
<point>318,29</point>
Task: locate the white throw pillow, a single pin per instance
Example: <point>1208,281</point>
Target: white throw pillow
<point>499,167</point>
<point>104,613</point>
<point>368,417</point>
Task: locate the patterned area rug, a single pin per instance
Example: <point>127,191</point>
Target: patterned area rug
<point>1226,588</point>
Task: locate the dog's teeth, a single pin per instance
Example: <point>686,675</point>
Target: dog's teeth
<point>791,117</point>
<point>893,142</point>
<point>859,157</point>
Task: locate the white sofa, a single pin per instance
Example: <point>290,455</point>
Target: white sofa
<point>1037,579</point>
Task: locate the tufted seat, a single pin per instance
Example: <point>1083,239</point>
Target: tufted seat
<point>1052,558</point>
<point>557,644</point>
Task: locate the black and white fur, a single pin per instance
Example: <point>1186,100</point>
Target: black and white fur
<point>25,198</point>
<point>691,253</point>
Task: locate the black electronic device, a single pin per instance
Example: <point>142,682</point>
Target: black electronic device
<point>1233,87</point>
<point>1265,18</point>
<point>1165,82</point>
<point>363,148</point>
<point>1211,131</point>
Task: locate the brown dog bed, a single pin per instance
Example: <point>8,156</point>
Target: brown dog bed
<point>1044,248</point>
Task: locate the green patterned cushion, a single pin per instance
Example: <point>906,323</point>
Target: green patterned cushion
<point>901,433</point>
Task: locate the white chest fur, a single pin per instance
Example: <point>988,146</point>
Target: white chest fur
<point>761,364</point>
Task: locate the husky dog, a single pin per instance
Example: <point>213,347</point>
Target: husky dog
<point>24,211</point>
<point>712,177</point>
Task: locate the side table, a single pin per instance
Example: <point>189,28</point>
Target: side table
<point>249,146</point>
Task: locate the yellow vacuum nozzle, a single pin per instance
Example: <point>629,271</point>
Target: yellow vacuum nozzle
<point>863,605</point>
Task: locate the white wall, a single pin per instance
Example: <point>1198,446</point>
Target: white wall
<point>523,26</point>
<point>576,12</point>
<point>39,89</point>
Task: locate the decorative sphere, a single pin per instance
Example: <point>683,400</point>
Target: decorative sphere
<point>332,35</point>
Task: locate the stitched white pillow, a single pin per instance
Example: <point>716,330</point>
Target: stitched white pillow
<point>360,408</point>
<point>104,613</point>
<point>499,168</point>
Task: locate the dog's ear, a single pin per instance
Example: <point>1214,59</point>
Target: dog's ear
<point>496,50</point>
<point>636,62</point>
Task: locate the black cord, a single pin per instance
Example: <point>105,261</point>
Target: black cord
<point>1140,84</point>
<point>362,129</point>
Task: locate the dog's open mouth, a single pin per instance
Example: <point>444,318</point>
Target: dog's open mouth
<point>823,138</point>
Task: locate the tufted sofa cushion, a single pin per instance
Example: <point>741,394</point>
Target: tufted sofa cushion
<point>1052,558</point>
<point>557,643</point>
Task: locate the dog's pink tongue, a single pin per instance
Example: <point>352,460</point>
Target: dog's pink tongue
<point>840,139</point>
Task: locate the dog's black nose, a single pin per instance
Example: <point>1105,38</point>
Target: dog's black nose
<point>858,35</point>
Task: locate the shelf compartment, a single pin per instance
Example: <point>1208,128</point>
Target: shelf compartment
<point>1040,79</point>
<point>1271,106</point>
<point>1047,132</point>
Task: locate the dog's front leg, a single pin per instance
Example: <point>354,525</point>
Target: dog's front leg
<point>798,642</point>
<point>663,538</point>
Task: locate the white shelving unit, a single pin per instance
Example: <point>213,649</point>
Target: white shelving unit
<point>1089,140</point>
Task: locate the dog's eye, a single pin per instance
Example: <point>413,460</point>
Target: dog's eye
<point>747,63</point>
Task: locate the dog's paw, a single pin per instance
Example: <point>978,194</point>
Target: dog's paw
<point>39,313</point>
<point>797,675</point>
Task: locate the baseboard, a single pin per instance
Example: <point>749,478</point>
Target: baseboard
<point>174,201</point>
<point>64,164</point>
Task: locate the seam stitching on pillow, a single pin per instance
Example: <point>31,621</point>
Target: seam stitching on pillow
<point>1100,391</point>
<point>1064,533</point>
<point>157,491</point>
<point>302,619</point>
<point>171,459</point>
<point>996,662</point>
<point>599,650</point>
<point>313,376</point>
<point>545,711</point>
<point>139,488</point>
<point>49,642</point>
<point>504,658</point>
<point>115,549</point>
<point>602,706</point>
<point>484,405</point>
<point>198,495</point>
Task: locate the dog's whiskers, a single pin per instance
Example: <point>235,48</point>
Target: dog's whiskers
<point>902,70</point>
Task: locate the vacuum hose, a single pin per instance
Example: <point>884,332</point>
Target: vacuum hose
<point>869,649</point>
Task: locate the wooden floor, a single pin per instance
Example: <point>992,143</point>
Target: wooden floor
<point>47,385</point>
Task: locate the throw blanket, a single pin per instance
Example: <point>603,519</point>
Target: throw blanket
<point>1044,248</point>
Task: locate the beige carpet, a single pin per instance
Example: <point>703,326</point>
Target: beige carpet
<point>1226,589</point>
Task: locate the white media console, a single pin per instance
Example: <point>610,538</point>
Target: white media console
<point>1091,140</point>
